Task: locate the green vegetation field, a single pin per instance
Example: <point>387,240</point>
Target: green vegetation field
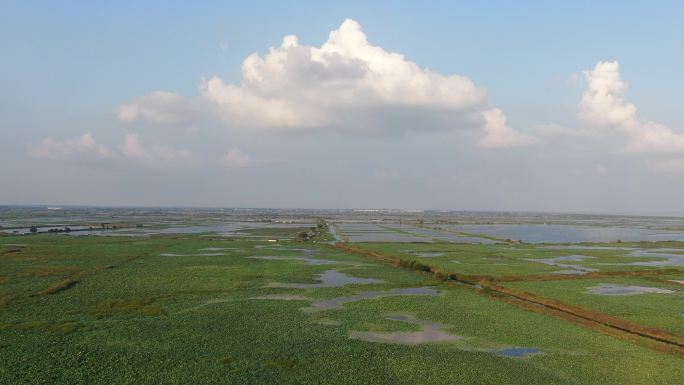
<point>200,310</point>
<point>511,259</point>
<point>659,310</point>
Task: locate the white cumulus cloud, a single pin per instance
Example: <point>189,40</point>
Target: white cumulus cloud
<point>84,146</point>
<point>499,134</point>
<point>345,84</point>
<point>158,107</point>
<point>603,106</point>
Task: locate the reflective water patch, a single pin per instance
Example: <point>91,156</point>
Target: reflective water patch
<point>516,352</point>
<point>666,258</point>
<point>283,297</point>
<point>431,332</point>
<point>613,289</point>
<point>192,255</point>
<point>569,272</point>
<point>308,261</point>
<point>328,278</point>
<point>567,267</point>
<point>336,303</point>
<point>428,254</point>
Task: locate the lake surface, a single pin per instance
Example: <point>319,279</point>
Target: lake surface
<point>372,226</point>
<point>539,233</point>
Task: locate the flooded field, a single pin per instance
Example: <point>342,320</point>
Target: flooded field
<point>337,303</point>
<point>429,333</point>
<point>517,352</point>
<point>567,268</point>
<point>292,297</point>
<point>328,278</point>
<point>612,289</point>
<point>542,233</point>
<point>654,301</point>
<point>402,233</point>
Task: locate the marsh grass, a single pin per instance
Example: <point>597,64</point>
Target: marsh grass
<point>659,314</point>
<point>116,328</point>
<point>141,306</point>
<point>290,363</point>
<point>414,265</point>
<point>227,360</point>
<point>60,286</point>
<point>30,325</point>
<point>60,328</point>
<point>5,300</point>
<point>489,286</point>
<point>67,327</point>
<point>49,271</point>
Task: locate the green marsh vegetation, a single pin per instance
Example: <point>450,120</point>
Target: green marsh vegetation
<point>642,299</point>
<point>658,310</point>
<point>137,316</point>
<point>502,260</point>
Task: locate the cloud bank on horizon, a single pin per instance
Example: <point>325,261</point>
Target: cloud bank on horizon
<point>348,85</point>
<point>132,149</point>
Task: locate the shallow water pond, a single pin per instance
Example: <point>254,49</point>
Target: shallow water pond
<point>192,255</point>
<point>517,352</point>
<point>555,233</point>
<point>424,254</point>
<point>329,278</point>
<point>567,268</point>
<point>431,332</point>
<point>666,258</point>
<point>307,260</point>
<point>282,297</point>
<point>615,289</point>
<point>336,303</point>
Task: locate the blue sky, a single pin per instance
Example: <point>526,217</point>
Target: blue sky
<point>68,68</point>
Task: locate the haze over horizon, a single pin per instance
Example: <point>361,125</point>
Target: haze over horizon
<point>503,107</point>
<point>67,207</point>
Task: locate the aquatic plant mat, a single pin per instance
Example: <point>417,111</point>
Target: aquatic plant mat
<point>209,309</point>
<point>660,340</point>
